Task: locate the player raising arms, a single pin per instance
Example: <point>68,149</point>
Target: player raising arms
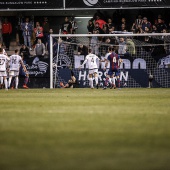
<point>108,79</point>
<point>3,67</point>
<point>15,61</point>
<point>114,72</point>
<point>91,59</point>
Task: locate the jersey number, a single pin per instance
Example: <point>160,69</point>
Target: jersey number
<point>114,59</point>
<point>14,61</point>
<point>2,61</point>
<point>92,60</point>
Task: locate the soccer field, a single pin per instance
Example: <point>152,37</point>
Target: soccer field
<point>84,129</point>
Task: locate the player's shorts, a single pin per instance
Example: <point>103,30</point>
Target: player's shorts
<point>115,72</point>
<point>107,70</point>
<point>14,73</point>
<point>92,71</point>
<point>23,73</point>
<point>3,73</point>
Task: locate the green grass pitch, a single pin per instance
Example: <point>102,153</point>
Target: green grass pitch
<point>84,129</point>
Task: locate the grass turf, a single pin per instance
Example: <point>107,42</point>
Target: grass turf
<point>84,129</point>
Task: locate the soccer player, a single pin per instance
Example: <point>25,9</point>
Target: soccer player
<point>3,67</point>
<point>114,72</point>
<point>22,73</point>
<point>91,59</point>
<point>108,79</point>
<point>1,78</point>
<point>15,61</point>
<point>72,83</point>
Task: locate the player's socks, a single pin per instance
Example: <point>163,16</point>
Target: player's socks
<point>2,79</point>
<point>16,84</point>
<point>13,83</point>
<point>113,83</point>
<point>113,80</point>
<point>110,80</point>
<point>6,84</point>
<point>91,82</point>
<point>9,82</point>
<point>118,81</point>
<point>96,80</point>
<point>106,81</point>
<point>26,80</point>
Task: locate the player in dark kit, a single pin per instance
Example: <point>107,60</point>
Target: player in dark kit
<point>114,72</point>
<point>72,83</point>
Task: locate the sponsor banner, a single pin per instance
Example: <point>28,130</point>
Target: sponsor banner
<point>133,73</point>
<point>31,4</point>
<point>37,67</point>
<point>39,73</point>
<point>164,62</point>
<point>115,3</point>
<point>128,78</point>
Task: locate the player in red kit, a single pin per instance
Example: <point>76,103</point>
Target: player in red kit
<point>114,72</point>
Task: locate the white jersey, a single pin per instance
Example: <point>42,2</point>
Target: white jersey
<point>106,58</point>
<point>15,62</point>
<point>91,59</point>
<point>3,60</point>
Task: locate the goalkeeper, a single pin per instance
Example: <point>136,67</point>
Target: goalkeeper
<point>72,83</point>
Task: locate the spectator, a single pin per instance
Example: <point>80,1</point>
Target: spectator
<point>62,46</point>
<point>90,26</point>
<point>74,25</point>
<point>109,41</point>
<point>100,21</point>
<point>94,43</point>
<point>110,25</point>
<point>105,29</point>
<point>123,28</point>
<point>48,40</point>
<point>66,27</point>
<point>82,50</point>
<point>154,29</point>
<point>97,28</point>
<point>145,24</point>
<point>46,28</point>
<point>130,46</point>
<point>139,20</point>
<point>26,27</point>
<point>38,30</point>
<point>160,25</point>
<point>39,50</point>
<point>6,32</point>
<point>24,51</point>
<point>122,46</point>
<point>123,25</point>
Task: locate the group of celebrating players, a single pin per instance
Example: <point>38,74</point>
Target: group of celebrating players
<point>112,67</point>
<point>112,71</point>
<point>11,67</point>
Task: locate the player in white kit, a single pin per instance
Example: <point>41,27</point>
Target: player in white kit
<point>15,61</point>
<point>3,67</point>
<point>91,59</point>
<point>1,78</point>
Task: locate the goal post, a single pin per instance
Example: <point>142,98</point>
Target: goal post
<point>144,54</point>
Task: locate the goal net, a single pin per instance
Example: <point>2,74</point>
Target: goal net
<point>145,56</point>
